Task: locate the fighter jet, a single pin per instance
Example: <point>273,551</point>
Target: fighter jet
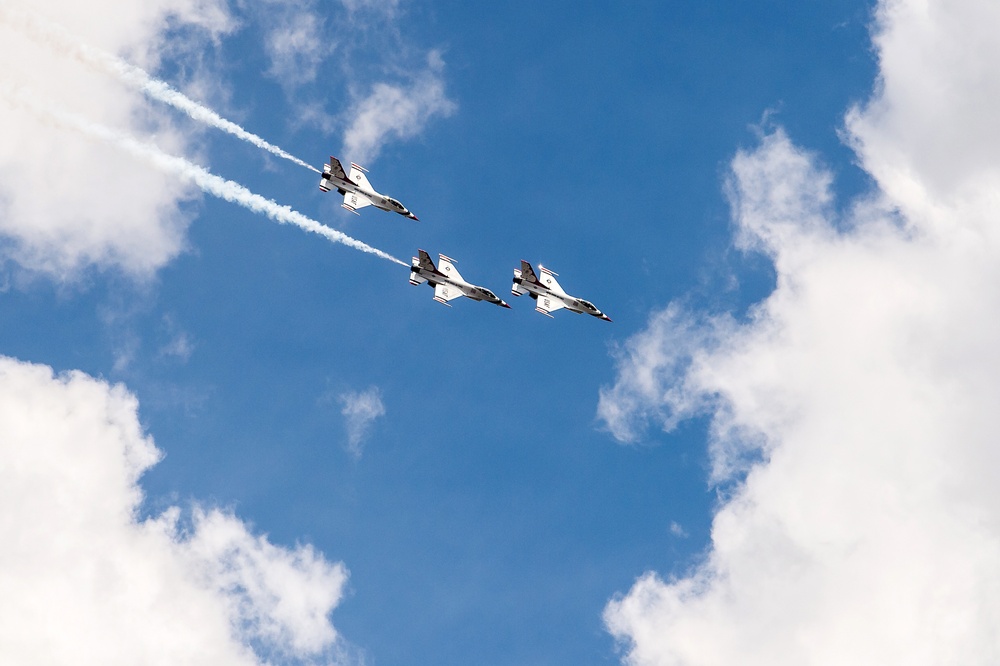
<point>357,191</point>
<point>548,295</point>
<point>447,281</point>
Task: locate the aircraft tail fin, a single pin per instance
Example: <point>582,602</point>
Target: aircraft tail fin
<point>424,261</point>
<point>527,272</point>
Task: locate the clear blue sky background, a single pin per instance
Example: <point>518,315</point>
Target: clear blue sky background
<point>489,519</point>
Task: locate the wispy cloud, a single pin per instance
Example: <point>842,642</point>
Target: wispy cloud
<point>385,8</point>
<point>360,410</point>
<point>396,111</point>
<point>296,41</point>
<point>855,410</point>
<point>179,347</point>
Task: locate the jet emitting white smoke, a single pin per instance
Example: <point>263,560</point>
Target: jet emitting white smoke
<point>49,34</point>
<point>207,181</point>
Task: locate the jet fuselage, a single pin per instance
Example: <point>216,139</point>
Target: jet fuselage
<point>357,191</point>
<point>539,291</point>
<point>475,292</point>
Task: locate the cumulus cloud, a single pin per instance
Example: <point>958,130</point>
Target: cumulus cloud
<point>399,111</point>
<point>855,409</point>
<point>82,576</point>
<point>360,410</point>
<point>68,202</point>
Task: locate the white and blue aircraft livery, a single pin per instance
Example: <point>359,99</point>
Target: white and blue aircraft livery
<point>357,191</point>
<point>447,281</point>
<point>548,294</point>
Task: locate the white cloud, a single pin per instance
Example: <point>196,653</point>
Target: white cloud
<point>68,202</point>
<point>396,110</point>
<point>360,410</point>
<point>295,42</point>
<point>83,577</point>
<point>652,366</point>
<point>863,390</point>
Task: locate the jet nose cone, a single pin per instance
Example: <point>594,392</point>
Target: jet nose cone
<point>605,317</point>
<point>504,304</point>
<point>412,217</point>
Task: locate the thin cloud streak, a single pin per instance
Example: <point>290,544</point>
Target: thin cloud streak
<point>57,38</point>
<point>360,410</point>
<point>207,181</point>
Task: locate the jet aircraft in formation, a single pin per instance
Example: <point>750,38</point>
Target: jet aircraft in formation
<point>548,294</point>
<point>447,282</point>
<point>448,285</point>
<point>357,191</point>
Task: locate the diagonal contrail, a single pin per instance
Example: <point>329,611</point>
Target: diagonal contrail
<point>207,181</point>
<point>49,34</point>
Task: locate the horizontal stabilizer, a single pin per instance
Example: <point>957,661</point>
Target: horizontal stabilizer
<point>414,278</point>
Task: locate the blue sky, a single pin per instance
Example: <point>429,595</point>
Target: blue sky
<point>489,515</point>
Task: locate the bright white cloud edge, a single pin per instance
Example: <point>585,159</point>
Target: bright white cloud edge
<point>68,203</point>
<point>84,579</point>
<point>867,382</point>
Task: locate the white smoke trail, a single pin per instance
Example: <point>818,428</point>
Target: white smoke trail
<point>52,35</point>
<point>207,181</point>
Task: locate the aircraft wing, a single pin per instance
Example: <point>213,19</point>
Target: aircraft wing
<point>444,293</point>
<point>547,304</point>
<point>548,280</point>
<point>447,266</point>
<point>337,169</point>
<point>354,201</point>
<point>358,176</point>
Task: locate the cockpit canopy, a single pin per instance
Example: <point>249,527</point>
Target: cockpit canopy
<point>395,204</point>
